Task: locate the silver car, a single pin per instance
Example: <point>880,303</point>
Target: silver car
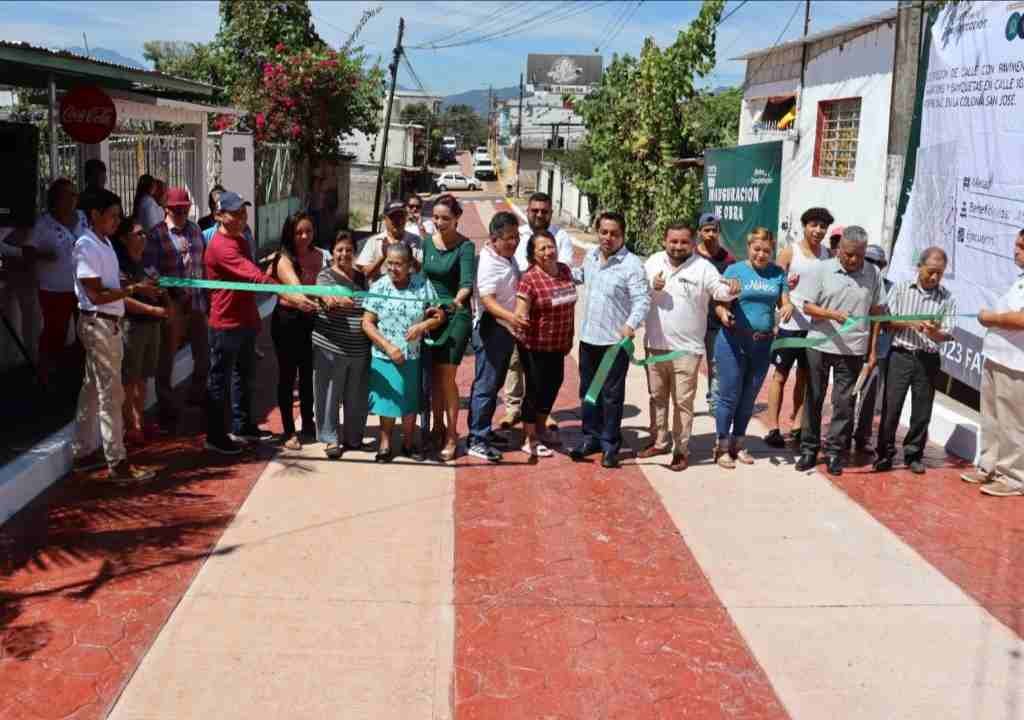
<point>456,181</point>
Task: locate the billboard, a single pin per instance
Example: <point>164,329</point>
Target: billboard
<point>966,179</point>
<point>563,73</point>
<point>741,186</point>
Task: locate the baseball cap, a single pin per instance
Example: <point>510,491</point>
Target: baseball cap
<point>708,219</point>
<point>876,255</point>
<point>177,197</point>
<point>232,202</point>
<point>837,230</point>
<point>394,206</point>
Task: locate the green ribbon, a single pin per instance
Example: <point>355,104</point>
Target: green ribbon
<point>852,322</point>
<point>605,366</point>
<point>322,290</point>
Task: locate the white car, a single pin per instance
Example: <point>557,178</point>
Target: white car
<point>481,154</point>
<point>484,169</point>
<point>456,181</point>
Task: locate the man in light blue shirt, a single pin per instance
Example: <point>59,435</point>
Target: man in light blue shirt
<point>617,300</point>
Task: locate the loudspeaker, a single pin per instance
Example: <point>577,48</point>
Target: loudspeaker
<point>19,158</point>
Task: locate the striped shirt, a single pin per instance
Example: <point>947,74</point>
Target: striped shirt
<point>617,295</point>
<point>341,331</point>
<point>907,298</point>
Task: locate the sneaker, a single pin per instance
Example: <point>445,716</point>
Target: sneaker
<point>977,477</point>
<point>774,439</point>
<point>93,461</point>
<point>1003,487</point>
<point>484,452</point>
<point>251,434</point>
<point>226,446</point>
<point>123,472</point>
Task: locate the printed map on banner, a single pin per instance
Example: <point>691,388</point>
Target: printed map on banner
<point>968,191</point>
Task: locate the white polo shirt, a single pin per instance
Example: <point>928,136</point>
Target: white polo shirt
<point>414,229</point>
<point>373,249</point>
<point>50,236</point>
<point>678,316</point>
<point>1006,347</point>
<point>495,276</point>
<point>95,258</point>
<point>563,243</point>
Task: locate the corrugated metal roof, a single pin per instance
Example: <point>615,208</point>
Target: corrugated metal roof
<point>887,16</point>
<point>24,53</point>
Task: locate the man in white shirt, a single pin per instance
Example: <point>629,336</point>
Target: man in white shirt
<point>495,329</point>
<point>684,284</point>
<point>101,307</point>
<point>1001,470</point>
<point>538,217</point>
<point>416,224</point>
<point>373,253</point>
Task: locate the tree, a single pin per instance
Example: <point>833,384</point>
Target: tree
<point>641,122</point>
<point>420,114</point>
<point>719,115</point>
<point>194,61</point>
<point>463,122</point>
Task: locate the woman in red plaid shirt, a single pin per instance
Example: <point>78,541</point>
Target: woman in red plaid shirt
<point>547,299</point>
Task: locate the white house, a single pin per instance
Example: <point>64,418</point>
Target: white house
<point>402,139</point>
<point>835,154</point>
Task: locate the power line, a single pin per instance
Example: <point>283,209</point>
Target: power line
<point>732,12</point>
<point>489,24</point>
<point>622,25</point>
<point>612,21</point>
<point>778,40</point>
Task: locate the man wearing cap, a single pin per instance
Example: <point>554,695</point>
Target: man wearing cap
<point>874,383</point>
<point>915,359</point>
<point>538,218</point>
<point>1001,469</point>
<point>371,258</point>
<point>709,230</point>
<point>841,288</point>
<point>835,234</point>
<point>234,324</point>
<point>174,248</point>
<point>799,260</point>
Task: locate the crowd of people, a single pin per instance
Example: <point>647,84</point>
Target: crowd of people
<point>403,309</point>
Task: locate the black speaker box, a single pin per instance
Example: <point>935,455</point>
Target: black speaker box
<point>19,173</point>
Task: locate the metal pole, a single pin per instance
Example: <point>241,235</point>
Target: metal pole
<point>803,68</point>
<point>387,126</point>
<point>519,140</point>
<point>52,92</point>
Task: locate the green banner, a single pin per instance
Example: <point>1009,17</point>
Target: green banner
<point>741,186</point>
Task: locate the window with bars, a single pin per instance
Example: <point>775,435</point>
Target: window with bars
<point>835,149</point>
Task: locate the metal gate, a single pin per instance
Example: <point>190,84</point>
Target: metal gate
<point>171,158</point>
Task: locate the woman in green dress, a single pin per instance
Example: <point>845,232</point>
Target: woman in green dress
<point>396,318</point>
<point>449,263</point>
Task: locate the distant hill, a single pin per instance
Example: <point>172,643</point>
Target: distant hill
<point>477,99</point>
<point>106,55</point>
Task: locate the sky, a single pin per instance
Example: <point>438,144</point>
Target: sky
<point>124,25</point>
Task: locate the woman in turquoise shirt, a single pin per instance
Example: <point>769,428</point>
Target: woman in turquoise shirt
<point>743,348</point>
<point>449,263</point>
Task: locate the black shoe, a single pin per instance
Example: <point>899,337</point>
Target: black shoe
<point>413,453</point>
<point>252,434</point>
<point>610,460</point>
<point>224,446</point>
<point>383,456</point>
<point>334,452</point>
<point>882,465</point>
<point>862,446</point>
<point>917,467</point>
<point>581,451</point>
<point>499,441</point>
<point>807,461</point>
<point>834,465</point>
<point>794,436</point>
<point>775,439</point>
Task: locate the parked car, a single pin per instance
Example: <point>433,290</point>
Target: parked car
<point>484,169</point>
<point>456,181</point>
<point>481,154</point>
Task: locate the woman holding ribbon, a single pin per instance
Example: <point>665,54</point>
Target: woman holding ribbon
<point>341,353</point>
<point>449,263</point>
<point>396,320</point>
<point>298,262</point>
<point>743,348</point>
<point>546,299</point>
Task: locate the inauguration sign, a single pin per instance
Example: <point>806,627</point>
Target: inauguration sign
<point>964,187</point>
<point>741,186</point>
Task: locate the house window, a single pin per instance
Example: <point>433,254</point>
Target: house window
<point>835,149</point>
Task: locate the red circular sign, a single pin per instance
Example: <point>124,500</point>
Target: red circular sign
<point>88,114</point>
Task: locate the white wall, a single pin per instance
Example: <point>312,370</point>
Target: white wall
<point>400,146</point>
<point>860,68</point>
<point>569,204</point>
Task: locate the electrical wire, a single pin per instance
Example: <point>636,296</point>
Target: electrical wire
<point>778,40</point>
<point>489,24</point>
<point>612,21</point>
<point>622,25</point>
<point>733,11</point>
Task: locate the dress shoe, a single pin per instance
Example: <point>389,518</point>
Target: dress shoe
<point>610,460</point>
<point>807,461</point>
<point>775,439</point>
<point>581,451</point>
<point>834,465</point>
<point>882,465</point>
<point>653,451</point>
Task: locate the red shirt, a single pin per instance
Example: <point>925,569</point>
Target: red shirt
<point>552,306</point>
<point>228,258</point>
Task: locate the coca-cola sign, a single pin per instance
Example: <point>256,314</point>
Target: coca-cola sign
<point>88,114</point>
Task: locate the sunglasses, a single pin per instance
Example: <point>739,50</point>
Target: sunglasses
<point>415,207</point>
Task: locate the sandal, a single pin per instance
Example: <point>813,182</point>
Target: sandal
<point>447,454</point>
<point>743,456</point>
<point>538,450</point>
<point>293,443</point>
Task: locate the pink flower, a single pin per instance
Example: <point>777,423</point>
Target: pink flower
<point>280,48</point>
<point>261,121</point>
<point>296,131</point>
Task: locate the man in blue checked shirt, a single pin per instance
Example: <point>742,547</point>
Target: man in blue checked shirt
<point>617,300</point>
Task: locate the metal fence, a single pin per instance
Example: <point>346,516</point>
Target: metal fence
<point>171,158</point>
<point>276,166</point>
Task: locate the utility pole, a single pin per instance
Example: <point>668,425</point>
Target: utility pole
<point>803,67</point>
<point>490,105</point>
<point>519,132</point>
<point>387,126</point>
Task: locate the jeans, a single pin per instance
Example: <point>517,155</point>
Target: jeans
<point>292,333</point>
<point>602,421</point>
<point>232,357</point>
<point>845,370</point>
<point>710,336</point>
<point>493,346</point>
<point>340,380</point>
<point>917,373</point>
<point>741,365</point>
